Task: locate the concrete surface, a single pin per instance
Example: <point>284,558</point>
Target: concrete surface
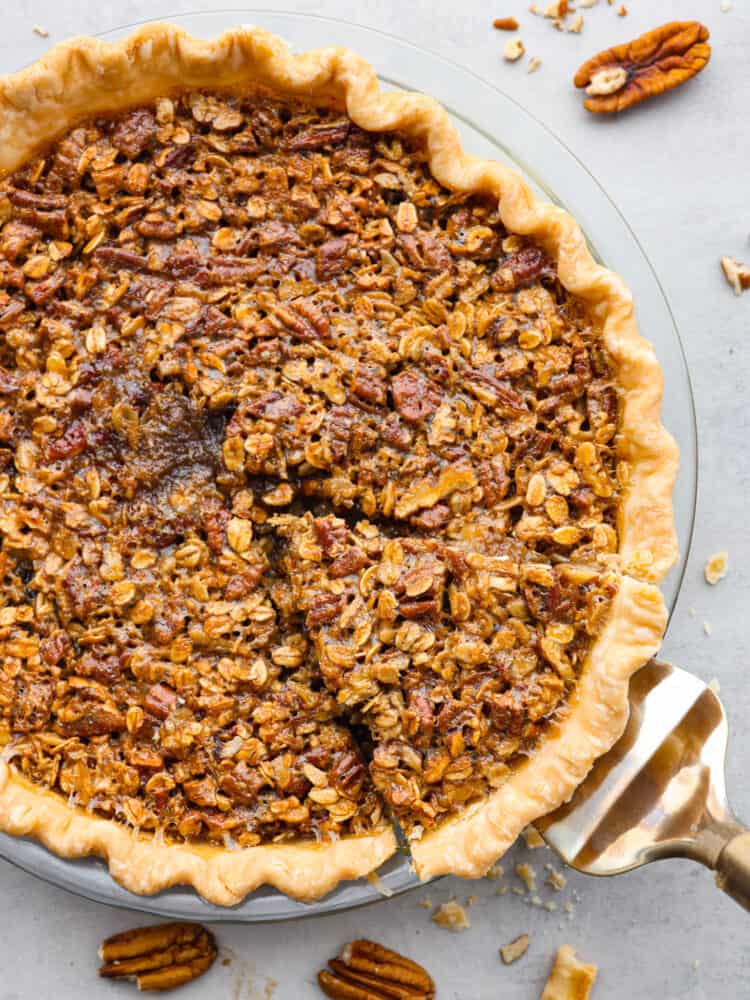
<point>678,171</point>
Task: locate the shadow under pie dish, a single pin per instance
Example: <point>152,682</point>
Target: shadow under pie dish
<point>336,489</point>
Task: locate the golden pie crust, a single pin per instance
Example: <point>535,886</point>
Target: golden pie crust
<point>83,77</point>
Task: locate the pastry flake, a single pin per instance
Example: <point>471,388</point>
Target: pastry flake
<point>570,979</point>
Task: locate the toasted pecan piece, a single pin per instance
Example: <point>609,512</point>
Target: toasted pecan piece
<point>737,275</point>
<point>368,971</point>
<point>505,24</point>
<point>515,949</point>
<point>658,61</point>
<point>159,957</point>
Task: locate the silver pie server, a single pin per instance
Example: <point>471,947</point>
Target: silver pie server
<point>660,792</point>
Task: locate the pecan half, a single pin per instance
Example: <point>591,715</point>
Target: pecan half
<point>658,61</point>
<point>368,971</point>
<point>160,957</point>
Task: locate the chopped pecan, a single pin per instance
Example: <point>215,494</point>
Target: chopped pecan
<point>369,386</point>
<point>522,268</point>
<point>158,957</point>
<point>33,705</point>
<point>432,518</point>
<point>393,431</point>
<point>73,441</point>
<point>350,561</point>
<point>332,256</point>
<point>324,608</point>
<point>658,61</point>
<point>368,971</point>
<point>414,396</point>
<point>160,700</point>
<point>424,250</point>
<point>318,136</point>
<point>276,407</point>
<point>87,719</point>
<point>304,319</point>
<point>134,133</point>
<point>53,648</point>
<point>119,257</point>
<point>16,238</point>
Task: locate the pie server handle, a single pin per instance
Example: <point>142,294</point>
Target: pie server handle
<point>733,868</point>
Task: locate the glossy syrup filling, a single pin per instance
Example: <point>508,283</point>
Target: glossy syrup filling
<point>308,487</point>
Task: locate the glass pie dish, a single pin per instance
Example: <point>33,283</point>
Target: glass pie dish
<point>405,67</point>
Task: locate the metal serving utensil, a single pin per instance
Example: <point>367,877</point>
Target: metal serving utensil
<point>660,792</point>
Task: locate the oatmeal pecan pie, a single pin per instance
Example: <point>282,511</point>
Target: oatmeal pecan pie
<point>332,484</point>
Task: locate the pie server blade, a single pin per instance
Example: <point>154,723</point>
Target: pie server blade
<point>660,792</point>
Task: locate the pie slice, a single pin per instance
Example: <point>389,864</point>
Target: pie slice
<point>333,492</point>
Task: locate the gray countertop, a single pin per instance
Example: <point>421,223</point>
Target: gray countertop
<point>678,171</point>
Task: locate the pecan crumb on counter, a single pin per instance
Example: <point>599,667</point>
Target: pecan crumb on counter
<point>737,274</point>
<point>515,949</point>
<point>513,50</point>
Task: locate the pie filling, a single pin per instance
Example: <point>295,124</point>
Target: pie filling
<point>308,485</point>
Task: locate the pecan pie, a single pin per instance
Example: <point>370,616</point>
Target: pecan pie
<point>332,485</point>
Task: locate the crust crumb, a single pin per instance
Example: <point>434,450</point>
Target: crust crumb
<point>532,837</point>
<point>556,879</point>
<point>451,916</point>
<point>39,30</point>
<point>515,949</point>
<point>570,979</point>
<point>505,24</point>
<point>716,567</point>
<point>534,63</point>
<point>527,875</point>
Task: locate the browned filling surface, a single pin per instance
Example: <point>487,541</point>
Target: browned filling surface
<point>308,488</point>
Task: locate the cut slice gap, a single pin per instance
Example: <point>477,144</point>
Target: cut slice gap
<point>434,648</point>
